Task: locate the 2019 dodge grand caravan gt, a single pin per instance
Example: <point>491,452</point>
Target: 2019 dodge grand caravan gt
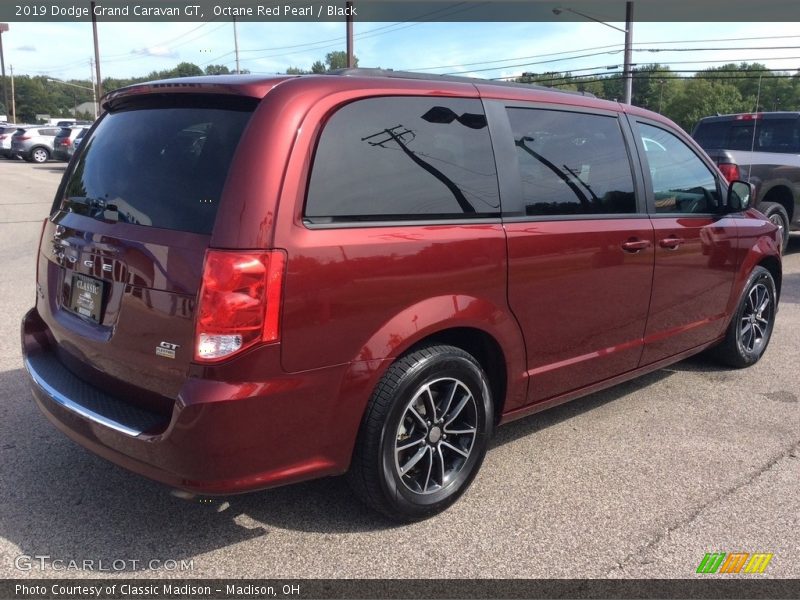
<point>247,281</point>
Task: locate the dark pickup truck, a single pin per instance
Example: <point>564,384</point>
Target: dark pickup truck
<point>763,148</point>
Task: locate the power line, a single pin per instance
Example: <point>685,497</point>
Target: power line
<point>618,77</point>
<point>651,50</point>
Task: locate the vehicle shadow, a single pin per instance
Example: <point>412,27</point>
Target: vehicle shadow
<point>60,500</point>
<point>793,246</point>
<point>52,167</point>
<point>790,289</point>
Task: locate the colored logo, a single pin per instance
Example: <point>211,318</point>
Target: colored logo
<point>734,562</point>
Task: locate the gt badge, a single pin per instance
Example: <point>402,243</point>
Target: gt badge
<point>166,349</point>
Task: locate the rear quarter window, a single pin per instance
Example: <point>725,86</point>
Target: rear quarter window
<point>398,158</point>
<point>158,166</point>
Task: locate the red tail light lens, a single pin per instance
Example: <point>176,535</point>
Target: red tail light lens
<point>730,171</point>
<point>239,302</point>
<point>22,138</point>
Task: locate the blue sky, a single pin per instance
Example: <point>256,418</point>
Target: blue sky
<point>63,50</point>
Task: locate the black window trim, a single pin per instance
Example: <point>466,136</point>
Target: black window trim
<point>316,223</point>
<point>445,221</point>
<point>722,188</point>
<point>511,199</point>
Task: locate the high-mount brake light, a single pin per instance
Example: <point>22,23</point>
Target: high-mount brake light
<point>239,302</point>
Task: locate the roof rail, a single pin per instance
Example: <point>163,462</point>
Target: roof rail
<point>372,72</point>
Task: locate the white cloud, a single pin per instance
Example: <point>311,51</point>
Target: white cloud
<point>156,51</point>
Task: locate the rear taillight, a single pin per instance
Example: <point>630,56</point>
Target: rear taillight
<point>2,137</point>
<point>22,138</point>
<point>730,171</point>
<point>239,304</point>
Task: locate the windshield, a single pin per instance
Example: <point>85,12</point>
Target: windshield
<point>157,166</point>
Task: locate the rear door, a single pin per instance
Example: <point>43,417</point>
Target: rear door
<point>580,244</point>
<point>122,256</point>
<point>695,239</point>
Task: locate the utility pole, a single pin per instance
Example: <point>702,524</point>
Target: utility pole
<point>3,27</point>
<point>236,45</point>
<point>13,102</point>
<point>96,55</point>
<point>349,17</point>
<point>628,74</point>
<point>94,89</point>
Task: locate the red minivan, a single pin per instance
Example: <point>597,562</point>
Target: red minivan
<point>246,281</point>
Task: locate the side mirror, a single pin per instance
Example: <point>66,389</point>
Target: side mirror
<point>740,195</point>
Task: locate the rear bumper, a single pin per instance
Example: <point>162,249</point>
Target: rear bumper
<point>221,438</point>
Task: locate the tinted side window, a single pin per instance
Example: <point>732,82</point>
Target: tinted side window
<point>778,135</point>
<point>572,163</point>
<point>681,181</point>
<point>404,158</point>
<point>713,135</point>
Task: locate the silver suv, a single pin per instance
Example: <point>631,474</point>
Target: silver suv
<point>6,131</point>
<point>34,144</point>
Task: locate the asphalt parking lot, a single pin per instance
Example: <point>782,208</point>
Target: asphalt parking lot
<point>637,481</point>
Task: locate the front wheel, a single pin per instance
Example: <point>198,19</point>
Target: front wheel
<point>750,329</point>
<point>424,435</point>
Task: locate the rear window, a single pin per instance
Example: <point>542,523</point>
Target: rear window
<point>158,166</point>
<point>760,135</point>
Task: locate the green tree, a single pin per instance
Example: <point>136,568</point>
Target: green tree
<point>186,69</point>
<point>338,60</point>
<point>217,70</point>
<point>700,98</point>
<point>318,67</point>
<point>654,87</point>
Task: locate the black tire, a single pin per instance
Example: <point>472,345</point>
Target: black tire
<point>40,155</point>
<point>404,465</point>
<point>777,214</point>
<point>751,327</point>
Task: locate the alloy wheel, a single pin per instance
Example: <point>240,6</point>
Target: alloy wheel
<point>436,435</point>
<point>755,319</point>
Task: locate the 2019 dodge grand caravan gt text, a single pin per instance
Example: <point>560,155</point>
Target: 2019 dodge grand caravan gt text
<point>248,281</point>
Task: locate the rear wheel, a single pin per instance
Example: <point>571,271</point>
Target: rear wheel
<point>424,435</point>
<point>40,155</point>
<point>751,327</point>
<point>777,214</point>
